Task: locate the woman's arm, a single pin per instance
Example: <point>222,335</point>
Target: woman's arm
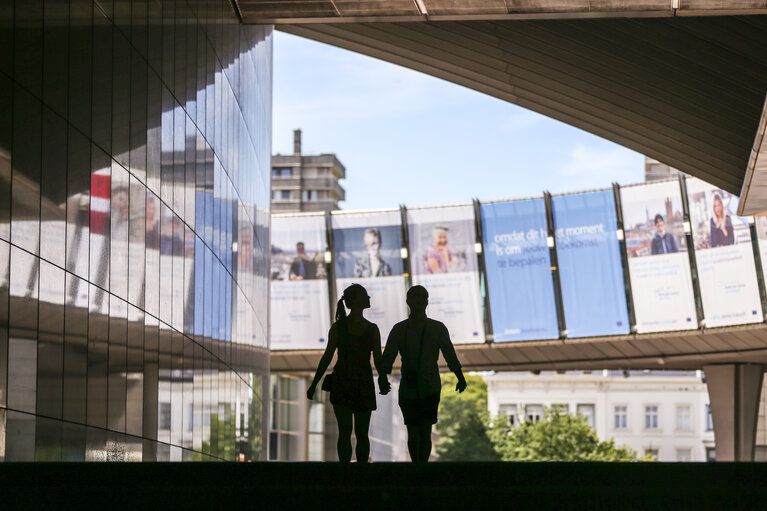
<point>383,383</point>
<point>327,357</point>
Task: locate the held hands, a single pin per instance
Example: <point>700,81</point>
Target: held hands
<point>461,385</point>
<point>384,386</point>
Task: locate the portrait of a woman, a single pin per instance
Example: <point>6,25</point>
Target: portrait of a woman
<point>371,264</point>
<point>439,256</point>
<point>721,225</point>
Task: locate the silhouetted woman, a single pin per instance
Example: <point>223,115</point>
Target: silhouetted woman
<point>352,392</point>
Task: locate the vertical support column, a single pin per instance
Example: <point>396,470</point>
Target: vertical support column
<point>405,248</point>
<point>759,264</point>
<point>624,258</point>
<point>480,250</point>
<point>691,252</point>
<point>551,241</point>
<point>734,391</point>
<point>330,265</point>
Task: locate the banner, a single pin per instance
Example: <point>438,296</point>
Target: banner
<point>443,260</point>
<point>593,291</point>
<point>724,257</point>
<point>659,266</point>
<point>300,315</point>
<point>761,236</point>
<point>367,251</point>
<point>519,280</point>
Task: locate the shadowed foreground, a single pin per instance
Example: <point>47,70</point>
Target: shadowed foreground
<point>514,486</point>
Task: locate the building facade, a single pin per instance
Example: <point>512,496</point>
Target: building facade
<point>306,183</point>
<point>664,415</point>
<point>134,213</point>
<point>306,430</point>
<point>655,170</point>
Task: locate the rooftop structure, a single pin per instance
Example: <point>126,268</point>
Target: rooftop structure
<point>306,183</point>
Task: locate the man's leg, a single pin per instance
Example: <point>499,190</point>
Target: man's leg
<point>344,445</point>
<point>361,427</point>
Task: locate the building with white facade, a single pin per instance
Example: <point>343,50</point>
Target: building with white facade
<point>663,414</point>
<point>304,430</point>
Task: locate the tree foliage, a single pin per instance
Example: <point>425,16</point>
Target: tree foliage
<point>467,435</point>
<point>556,437</point>
<point>454,408</point>
<point>463,420</point>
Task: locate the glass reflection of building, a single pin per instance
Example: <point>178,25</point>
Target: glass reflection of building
<point>134,211</point>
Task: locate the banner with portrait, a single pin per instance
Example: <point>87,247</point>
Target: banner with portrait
<point>519,280</point>
<point>444,261</point>
<point>761,235</point>
<point>367,251</point>
<point>659,266</point>
<point>590,269</point>
<point>724,257</point>
<point>299,309</point>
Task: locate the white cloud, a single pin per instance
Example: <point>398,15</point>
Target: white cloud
<point>595,163</point>
<point>522,120</point>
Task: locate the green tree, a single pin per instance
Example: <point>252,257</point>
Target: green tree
<point>469,441</point>
<point>455,407</point>
<point>463,420</point>
<point>556,437</point>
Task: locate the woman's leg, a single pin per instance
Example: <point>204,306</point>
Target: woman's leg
<point>344,445</point>
<point>413,442</point>
<point>361,427</point>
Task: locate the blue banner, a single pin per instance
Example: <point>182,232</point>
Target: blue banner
<point>519,281</point>
<point>590,270</point>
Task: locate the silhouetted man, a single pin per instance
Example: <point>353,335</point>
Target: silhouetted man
<point>419,340</point>
<point>303,267</point>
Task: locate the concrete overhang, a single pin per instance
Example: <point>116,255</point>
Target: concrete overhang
<point>686,91</point>
<point>355,11</point>
<point>671,350</point>
<point>753,195</point>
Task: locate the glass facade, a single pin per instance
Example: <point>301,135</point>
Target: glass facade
<point>135,143</point>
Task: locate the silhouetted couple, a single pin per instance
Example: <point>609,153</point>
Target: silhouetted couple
<point>418,340</point>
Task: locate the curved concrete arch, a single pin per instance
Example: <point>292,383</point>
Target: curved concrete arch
<point>687,91</point>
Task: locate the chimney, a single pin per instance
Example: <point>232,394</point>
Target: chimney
<point>297,142</point>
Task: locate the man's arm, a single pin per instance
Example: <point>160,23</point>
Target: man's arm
<point>448,351</point>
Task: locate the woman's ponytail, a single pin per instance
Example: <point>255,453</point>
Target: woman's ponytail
<point>340,310</point>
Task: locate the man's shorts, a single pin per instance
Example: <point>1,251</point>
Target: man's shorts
<point>419,410</point>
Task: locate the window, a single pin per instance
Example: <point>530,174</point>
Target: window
<point>510,410</point>
<point>683,418</point>
<point>651,454</point>
<point>684,454</point>
<point>587,411</point>
<point>560,408</point>
<point>709,419</point>
<point>621,417</point>
<point>285,194</point>
<point>309,195</point>
<point>710,454</point>
<point>651,417</point>
<point>533,413</point>
<point>164,418</point>
<point>282,172</point>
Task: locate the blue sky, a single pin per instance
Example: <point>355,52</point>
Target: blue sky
<point>409,138</point>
